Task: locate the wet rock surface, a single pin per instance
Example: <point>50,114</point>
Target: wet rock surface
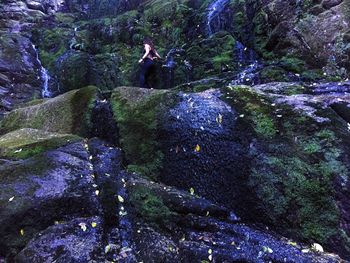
<point>199,140</point>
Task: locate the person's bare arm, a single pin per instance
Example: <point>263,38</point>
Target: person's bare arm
<point>148,49</point>
<point>158,56</point>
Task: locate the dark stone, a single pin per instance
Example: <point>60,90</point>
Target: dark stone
<point>217,170</point>
<point>331,3</point>
<point>37,191</point>
<point>103,122</point>
<point>66,242</point>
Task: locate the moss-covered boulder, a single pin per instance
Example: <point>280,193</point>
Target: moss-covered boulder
<point>27,142</point>
<point>299,172</point>
<point>74,70</point>
<point>136,111</point>
<point>67,113</point>
<point>274,153</point>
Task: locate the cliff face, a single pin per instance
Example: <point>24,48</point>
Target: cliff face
<point>245,131</point>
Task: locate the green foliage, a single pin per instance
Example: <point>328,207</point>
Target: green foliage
<point>292,64</point>
<point>273,74</point>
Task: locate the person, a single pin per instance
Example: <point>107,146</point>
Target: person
<point>147,63</point>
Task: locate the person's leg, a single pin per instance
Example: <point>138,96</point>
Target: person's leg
<point>149,74</point>
<point>143,75</point>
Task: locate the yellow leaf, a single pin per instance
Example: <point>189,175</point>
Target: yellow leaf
<point>93,224</point>
<point>294,244</point>
<point>210,251</point>
<point>191,191</point>
<point>198,148</point>
<point>219,118</point>
<point>120,199</point>
<point>21,232</point>
<point>107,249</point>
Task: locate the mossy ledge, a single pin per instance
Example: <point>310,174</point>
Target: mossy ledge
<point>27,142</point>
<point>136,112</point>
<point>68,113</point>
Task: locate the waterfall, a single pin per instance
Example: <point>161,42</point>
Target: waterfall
<point>246,58</point>
<point>169,66</point>
<point>214,11</point>
<point>45,77</point>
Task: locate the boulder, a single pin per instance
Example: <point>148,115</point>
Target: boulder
<point>52,186</point>
<point>67,113</point>
<point>20,76</point>
<point>63,241</point>
<point>274,153</point>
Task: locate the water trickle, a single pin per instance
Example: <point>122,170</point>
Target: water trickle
<point>170,65</point>
<point>246,58</point>
<point>45,77</point>
<point>214,11</point>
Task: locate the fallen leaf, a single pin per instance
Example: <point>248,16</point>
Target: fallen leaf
<point>191,191</point>
<point>97,192</point>
<point>120,199</point>
<point>11,199</point>
<point>210,251</point>
<point>294,244</point>
<point>93,224</point>
<point>18,151</point>
<point>83,226</point>
<point>198,148</point>
<point>21,232</point>
<point>267,250</point>
<point>107,248</point>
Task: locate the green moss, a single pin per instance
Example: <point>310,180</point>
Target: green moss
<point>293,173</point>
<point>273,74</point>
<point>292,64</point>
<point>136,111</point>
<point>53,43</point>
<point>148,205</point>
<point>25,143</point>
<point>67,113</point>
<point>254,109</point>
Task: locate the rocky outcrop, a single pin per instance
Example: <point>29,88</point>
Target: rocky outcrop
<point>48,187</point>
<point>20,76</point>
<point>278,148</point>
<point>68,113</point>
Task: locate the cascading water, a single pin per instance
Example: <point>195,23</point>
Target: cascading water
<point>170,64</point>
<point>45,77</point>
<point>214,11</point>
<point>248,63</point>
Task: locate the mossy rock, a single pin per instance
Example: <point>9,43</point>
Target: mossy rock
<point>27,142</point>
<point>68,113</point>
<point>136,111</point>
<point>148,205</point>
<point>296,161</point>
